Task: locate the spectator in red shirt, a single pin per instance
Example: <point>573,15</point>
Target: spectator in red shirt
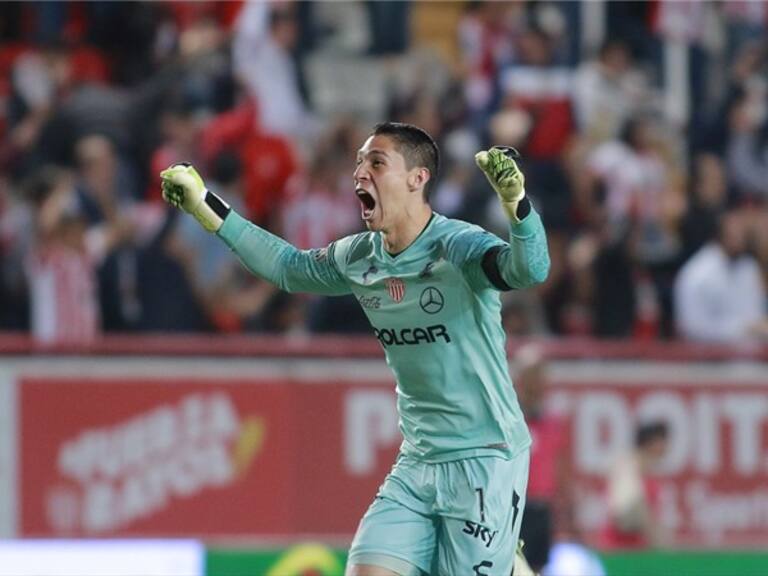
<point>541,89</point>
<point>268,160</point>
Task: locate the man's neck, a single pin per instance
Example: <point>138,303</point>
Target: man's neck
<point>407,229</point>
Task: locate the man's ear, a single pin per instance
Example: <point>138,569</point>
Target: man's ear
<point>418,178</point>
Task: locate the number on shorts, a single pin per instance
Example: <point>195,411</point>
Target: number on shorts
<point>482,503</point>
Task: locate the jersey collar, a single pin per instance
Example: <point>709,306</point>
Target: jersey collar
<point>415,240</point>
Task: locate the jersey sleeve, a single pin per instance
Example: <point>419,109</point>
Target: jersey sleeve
<point>466,248</point>
<point>524,261</point>
<point>489,262</point>
<point>317,271</point>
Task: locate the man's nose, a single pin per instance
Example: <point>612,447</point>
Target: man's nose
<point>361,172</point>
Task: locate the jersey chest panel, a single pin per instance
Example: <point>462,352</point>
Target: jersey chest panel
<point>428,291</point>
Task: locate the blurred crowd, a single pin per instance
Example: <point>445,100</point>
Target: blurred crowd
<point>643,128</point>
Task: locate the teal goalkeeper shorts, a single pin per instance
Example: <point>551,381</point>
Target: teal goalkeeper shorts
<point>459,518</point>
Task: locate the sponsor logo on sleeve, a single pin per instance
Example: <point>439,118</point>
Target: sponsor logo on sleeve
<point>426,272</point>
<point>371,271</point>
<point>320,255</point>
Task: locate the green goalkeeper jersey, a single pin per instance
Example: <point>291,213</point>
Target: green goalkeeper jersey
<point>436,311</point>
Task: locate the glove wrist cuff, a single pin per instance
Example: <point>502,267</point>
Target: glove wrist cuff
<point>215,203</point>
<point>517,209</point>
<point>212,211</point>
<point>523,208</point>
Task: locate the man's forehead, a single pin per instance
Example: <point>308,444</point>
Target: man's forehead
<point>378,143</point>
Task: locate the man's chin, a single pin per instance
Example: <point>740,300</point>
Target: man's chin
<point>372,225</point>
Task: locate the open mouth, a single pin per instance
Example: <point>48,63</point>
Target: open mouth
<point>367,203</point>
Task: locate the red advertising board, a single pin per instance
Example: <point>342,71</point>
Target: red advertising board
<point>713,489</point>
<point>163,456</point>
<point>155,457</point>
<point>137,456</point>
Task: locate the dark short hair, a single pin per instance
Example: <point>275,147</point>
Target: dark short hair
<point>416,146</point>
<point>647,432</point>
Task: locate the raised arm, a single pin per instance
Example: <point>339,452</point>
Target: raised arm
<point>525,260</point>
<point>263,253</point>
<point>279,262</point>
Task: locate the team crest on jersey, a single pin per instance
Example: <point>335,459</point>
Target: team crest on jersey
<point>396,288</point>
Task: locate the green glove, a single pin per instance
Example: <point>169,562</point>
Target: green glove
<point>184,188</point>
<point>521,566</point>
<point>499,166</point>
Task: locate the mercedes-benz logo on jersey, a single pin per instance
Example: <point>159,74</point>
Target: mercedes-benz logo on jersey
<point>431,300</point>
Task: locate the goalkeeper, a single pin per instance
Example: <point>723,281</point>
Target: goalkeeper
<point>453,501</point>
